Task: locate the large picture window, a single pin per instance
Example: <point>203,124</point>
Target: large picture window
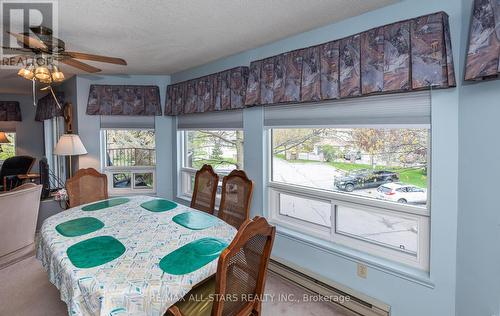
<point>222,149</point>
<point>129,160</point>
<point>364,187</point>
<point>388,164</point>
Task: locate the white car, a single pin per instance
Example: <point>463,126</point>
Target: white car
<point>402,193</point>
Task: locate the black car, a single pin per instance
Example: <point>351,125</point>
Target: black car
<point>365,179</point>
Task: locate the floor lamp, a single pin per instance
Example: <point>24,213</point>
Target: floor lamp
<point>69,145</point>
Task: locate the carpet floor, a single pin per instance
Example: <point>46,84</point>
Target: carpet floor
<point>26,291</point>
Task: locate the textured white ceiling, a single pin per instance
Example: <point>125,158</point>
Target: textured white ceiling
<point>166,36</point>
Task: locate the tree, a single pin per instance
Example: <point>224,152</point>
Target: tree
<point>369,140</point>
<point>330,153</point>
<point>295,139</point>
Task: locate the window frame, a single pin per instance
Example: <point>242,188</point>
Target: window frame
<point>133,170</point>
<point>420,261</point>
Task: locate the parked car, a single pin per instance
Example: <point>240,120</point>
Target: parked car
<point>402,193</point>
<point>365,179</point>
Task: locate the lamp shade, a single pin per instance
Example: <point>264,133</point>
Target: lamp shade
<point>3,138</point>
<point>69,145</point>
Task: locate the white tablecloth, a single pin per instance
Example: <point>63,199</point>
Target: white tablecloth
<point>132,284</point>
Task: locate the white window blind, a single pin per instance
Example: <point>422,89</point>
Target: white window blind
<point>211,120</point>
<point>121,121</point>
<point>396,109</point>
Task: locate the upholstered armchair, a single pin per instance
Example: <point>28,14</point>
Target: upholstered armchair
<point>18,216</point>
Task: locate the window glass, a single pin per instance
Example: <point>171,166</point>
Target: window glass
<point>122,180</point>
<point>313,211</point>
<point>389,230</point>
<point>143,180</point>
<point>8,150</point>
<point>369,162</point>
<point>222,149</point>
<point>128,148</point>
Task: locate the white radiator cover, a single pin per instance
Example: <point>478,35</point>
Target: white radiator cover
<point>358,303</point>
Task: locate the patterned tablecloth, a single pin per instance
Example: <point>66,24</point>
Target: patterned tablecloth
<point>132,284</point>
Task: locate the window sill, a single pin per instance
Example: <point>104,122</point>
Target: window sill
<point>383,265</point>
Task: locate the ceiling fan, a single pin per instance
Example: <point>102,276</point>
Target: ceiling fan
<point>41,44</point>
<point>44,50</point>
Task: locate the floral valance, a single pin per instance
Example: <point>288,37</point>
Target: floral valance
<point>10,111</point>
<point>124,100</point>
<point>404,56</point>
<point>483,54</point>
<point>47,108</point>
<point>216,92</point>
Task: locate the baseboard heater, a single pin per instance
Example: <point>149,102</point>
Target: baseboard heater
<point>357,303</point>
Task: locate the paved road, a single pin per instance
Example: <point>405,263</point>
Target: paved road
<point>383,228</point>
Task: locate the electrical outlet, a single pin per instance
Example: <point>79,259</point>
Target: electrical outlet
<point>362,271</point>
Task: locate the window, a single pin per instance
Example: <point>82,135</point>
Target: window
<point>222,149</point>
<point>53,129</point>
<point>364,187</point>
<point>129,160</point>
<point>8,150</point>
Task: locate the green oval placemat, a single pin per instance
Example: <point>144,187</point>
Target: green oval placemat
<point>195,220</point>
<point>192,256</point>
<point>79,226</point>
<point>105,204</point>
<point>159,205</point>
<point>95,251</point>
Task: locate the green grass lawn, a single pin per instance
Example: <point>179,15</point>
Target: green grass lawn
<point>415,176</point>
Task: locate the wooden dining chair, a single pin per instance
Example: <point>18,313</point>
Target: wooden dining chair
<point>236,197</point>
<point>241,275</point>
<point>86,186</point>
<point>205,189</point>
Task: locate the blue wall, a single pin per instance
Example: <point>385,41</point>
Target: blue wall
<point>408,292</point>
<point>478,255</point>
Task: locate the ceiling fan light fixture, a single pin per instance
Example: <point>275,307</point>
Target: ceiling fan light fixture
<point>26,73</point>
<point>42,73</point>
<point>57,75</point>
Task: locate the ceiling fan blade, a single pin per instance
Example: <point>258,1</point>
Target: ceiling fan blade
<point>103,59</point>
<point>29,41</point>
<point>78,64</point>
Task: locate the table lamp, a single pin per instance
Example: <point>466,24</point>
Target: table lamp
<point>3,140</point>
<point>69,145</point>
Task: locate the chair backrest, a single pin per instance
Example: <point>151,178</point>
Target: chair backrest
<point>17,165</point>
<point>242,269</point>
<point>236,197</point>
<point>86,186</point>
<point>18,217</point>
<point>205,189</point>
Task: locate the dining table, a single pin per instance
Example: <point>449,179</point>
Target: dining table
<point>134,255</point>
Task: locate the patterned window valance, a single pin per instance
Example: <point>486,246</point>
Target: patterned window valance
<point>483,54</point>
<point>10,111</point>
<point>216,92</point>
<point>124,100</point>
<point>47,107</point>
<point>404,56</point>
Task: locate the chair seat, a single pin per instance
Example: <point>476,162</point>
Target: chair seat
<point>199,300</point>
